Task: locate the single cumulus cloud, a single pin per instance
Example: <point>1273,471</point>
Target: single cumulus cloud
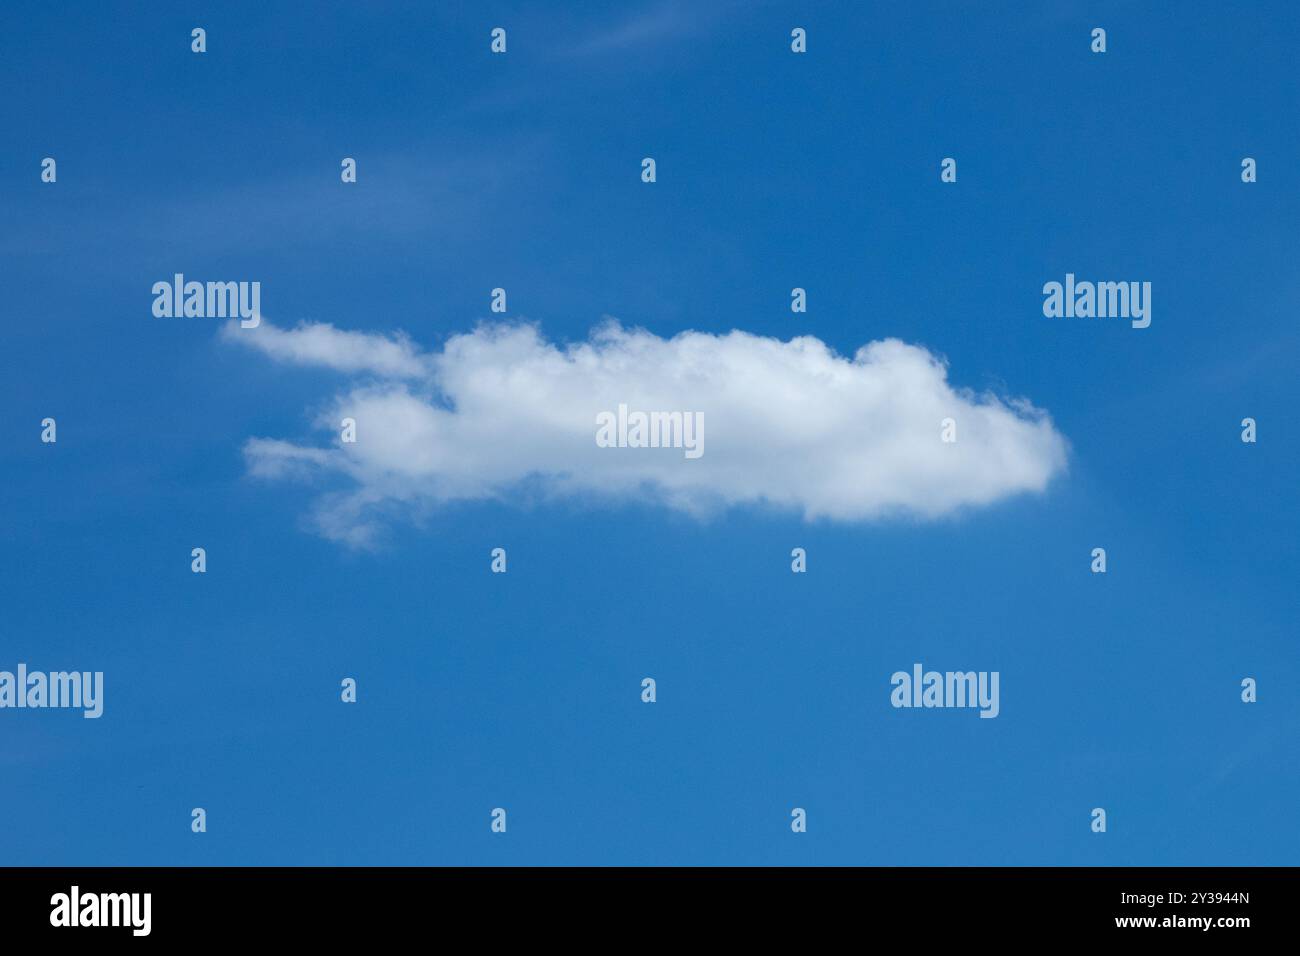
<point>500,411</point>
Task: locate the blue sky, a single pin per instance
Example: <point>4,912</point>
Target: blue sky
<point>522,690</point>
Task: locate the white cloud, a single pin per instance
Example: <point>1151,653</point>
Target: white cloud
<point>322,344</point>
<point>788,424</point>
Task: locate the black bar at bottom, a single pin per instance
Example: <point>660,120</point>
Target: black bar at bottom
<point>337,905</point>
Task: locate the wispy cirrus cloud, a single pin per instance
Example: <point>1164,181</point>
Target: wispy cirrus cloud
<point>651,24</point>
<point>790,424</point>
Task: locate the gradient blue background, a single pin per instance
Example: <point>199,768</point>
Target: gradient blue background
<point>522,691</point>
